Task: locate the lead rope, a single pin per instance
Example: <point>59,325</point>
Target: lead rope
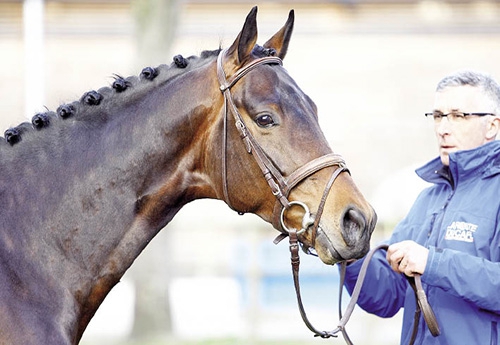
<point>415,282</point>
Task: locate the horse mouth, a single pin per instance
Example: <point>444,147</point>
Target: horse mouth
<point>347,239</point>
<point>325,249</point>
<point>331,253</point>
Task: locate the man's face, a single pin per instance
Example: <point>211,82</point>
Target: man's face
<point>468,133</point>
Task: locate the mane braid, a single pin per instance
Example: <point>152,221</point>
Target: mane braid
<point>94,106</point>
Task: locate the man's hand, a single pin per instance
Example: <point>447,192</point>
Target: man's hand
<point>407,257</point>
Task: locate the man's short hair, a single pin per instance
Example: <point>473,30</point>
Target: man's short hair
<point>476,79</point>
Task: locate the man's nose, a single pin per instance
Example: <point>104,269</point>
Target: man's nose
<point>444,126</point>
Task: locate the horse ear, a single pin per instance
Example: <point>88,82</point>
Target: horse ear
<point>280,40</point>
<point>245,42</point>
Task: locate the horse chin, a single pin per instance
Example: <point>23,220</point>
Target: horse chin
<point>325,249</point>
<point>332,251</point>
<point>329,256</point>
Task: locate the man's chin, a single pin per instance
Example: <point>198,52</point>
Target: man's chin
<point>444,154</point>
<point>445,159</point>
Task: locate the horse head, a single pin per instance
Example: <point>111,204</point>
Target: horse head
<point>272,148</point>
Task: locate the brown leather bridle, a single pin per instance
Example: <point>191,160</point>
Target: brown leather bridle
<point>279,184</point>
<point>281,187</point>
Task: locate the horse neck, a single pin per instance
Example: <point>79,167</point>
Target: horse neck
<point>91,207</point>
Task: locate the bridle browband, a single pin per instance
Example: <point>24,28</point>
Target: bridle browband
<point>281,187</point>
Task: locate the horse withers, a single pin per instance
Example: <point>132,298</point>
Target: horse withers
<point>85,188</point>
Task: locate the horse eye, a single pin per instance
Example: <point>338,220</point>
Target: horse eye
<point>265,120</point>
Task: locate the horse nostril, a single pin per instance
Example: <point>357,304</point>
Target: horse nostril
<point>353,225</point>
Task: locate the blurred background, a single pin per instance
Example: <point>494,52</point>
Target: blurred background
<point>211,276</point>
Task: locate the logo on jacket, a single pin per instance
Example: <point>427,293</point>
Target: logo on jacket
<point>460,231</point>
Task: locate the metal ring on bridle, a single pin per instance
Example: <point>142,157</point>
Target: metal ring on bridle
<point>307,220</point>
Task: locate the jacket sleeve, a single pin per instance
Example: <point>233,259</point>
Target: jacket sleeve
<point>472,278</point>
<point>383,291</point>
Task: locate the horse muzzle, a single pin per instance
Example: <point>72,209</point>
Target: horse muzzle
<point>350,239</point>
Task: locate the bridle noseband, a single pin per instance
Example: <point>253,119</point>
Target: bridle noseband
<point>279,184</point>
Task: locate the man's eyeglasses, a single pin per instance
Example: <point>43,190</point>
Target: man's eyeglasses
<point>455,116</point>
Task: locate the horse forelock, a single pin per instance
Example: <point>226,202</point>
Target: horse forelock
<point>96,106</point>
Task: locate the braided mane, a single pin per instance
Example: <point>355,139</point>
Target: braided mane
<point>94,107</point>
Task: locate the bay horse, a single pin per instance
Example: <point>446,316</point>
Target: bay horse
<point>85,188</point>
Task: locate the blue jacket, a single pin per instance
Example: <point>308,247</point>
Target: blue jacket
<point>458,220</point>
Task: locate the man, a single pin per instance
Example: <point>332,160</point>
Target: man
<point>452,233</point>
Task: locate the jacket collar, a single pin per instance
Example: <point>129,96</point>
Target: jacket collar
<point>482,162</point>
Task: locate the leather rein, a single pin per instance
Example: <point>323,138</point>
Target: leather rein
<point>281,187</point>
<point>422,305</point>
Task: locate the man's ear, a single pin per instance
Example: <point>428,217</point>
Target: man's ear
<point>493,129</point>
